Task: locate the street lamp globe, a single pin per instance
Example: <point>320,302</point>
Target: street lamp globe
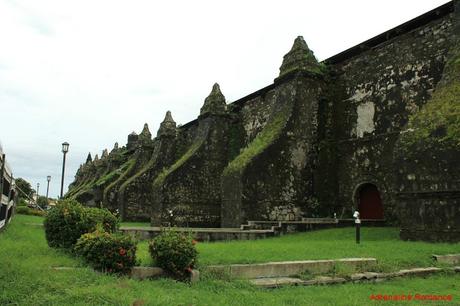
<point>48,178</point>
<point>65,147</point>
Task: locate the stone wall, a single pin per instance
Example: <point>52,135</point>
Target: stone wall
<point>428,159</point>
<point>303,146</point>
<point>379,89</point>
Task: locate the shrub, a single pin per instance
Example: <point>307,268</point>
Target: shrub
<point>102,216</point>
<point>66,222</point>
<point>175,252</point>
<point>106,252</point>
<point>24,210</point>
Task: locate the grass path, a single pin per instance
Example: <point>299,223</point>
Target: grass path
<point>26,278</point>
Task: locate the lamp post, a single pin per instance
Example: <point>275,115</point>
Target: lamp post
<point>358,226</point>
<point>65,149</point>
<point>48,179</point>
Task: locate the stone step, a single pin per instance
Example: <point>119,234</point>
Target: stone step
<point>289,268</point>
<point>452,259</point>
<point>275,282</point>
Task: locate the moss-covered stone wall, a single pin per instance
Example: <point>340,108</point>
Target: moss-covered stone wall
<point>303,146</point>
<point>428,159</point>
<point>379,90</point>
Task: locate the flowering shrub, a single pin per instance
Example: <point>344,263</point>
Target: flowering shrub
<point>175,252</point>
<point>66,222</point>
<point>111,253</point>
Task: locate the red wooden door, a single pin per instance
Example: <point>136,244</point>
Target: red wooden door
<point>370,204</point>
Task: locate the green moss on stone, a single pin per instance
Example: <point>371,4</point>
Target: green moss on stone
<point>87,186</point>
<point>111,176</point>
<point>162,176</point>
<point>264,139</point>
<point>127,166</point>
<point>438,121</point>
<point>235,140</point>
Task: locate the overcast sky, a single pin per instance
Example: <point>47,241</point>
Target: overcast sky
<point>91,72</point>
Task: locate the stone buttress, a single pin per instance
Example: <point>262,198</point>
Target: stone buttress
<point>272,177</point>
<point>136,193</point>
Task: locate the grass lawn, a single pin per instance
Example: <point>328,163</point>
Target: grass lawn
<point>140,224</point>
<point>26,277</point>
<point>381,243</point>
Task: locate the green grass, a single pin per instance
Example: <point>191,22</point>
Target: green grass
<point>382,243</point>
<point>26,279</point>
<point>141,224</point>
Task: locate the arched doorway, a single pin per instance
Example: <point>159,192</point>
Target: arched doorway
<point>369,202</point>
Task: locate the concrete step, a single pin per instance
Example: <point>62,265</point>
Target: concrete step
<point>452,259</point>
<point>275,282</point>
<point>289,268</point>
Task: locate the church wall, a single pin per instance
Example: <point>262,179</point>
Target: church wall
<point>380,89</point>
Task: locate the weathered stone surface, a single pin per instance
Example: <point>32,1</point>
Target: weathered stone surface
<point>132,140</point>
<point>215,103</point>
<point>194,276</point>
<point>146,272</point>
<point>452,259</point>
<point>326,280</point>
<point>89,158</point>
<point>428,192</point>
<point>365,276</point>
<point>289,268</point>
<point>202,234</point>
<point>309,144</point>
<point>274,282</point>
<point>418,271</point>
<point>167,127</point>
<point>300,58</point>
<point>187,193</point>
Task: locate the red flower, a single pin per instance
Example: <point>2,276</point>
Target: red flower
<point>122,252</point>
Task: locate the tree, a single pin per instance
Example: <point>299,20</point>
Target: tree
<point>24,189</point>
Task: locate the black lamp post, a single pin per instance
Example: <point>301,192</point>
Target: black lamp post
<point>65,149</point>
<point>358,226</point>
<point>48,179</point>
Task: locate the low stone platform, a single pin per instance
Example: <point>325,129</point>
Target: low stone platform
<point>308,224</point>
<point>275,282</point>
<point>141,273</point>
<point>452,259</point>
<point>203,234</point>
<point>290,268</point>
